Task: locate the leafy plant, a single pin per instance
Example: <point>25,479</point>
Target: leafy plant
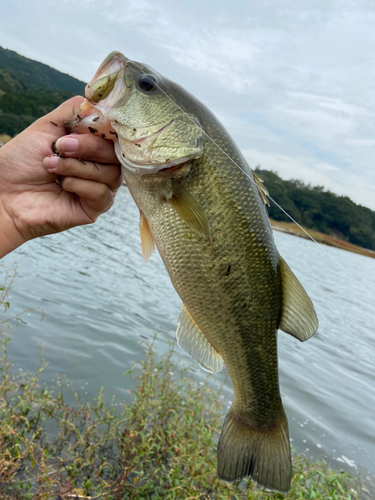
<point>162,445</point>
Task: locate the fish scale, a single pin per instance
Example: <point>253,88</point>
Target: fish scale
<point>246,313</point>
<point>203,208</point>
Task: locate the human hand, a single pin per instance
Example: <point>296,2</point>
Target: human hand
<point>32,203</point>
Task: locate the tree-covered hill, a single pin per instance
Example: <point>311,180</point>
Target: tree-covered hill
<point>38,74</point>
<point>30,89</point>
<point>318,209</point>
<point>9,82</point>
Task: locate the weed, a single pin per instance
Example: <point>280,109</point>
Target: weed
<point>160,446</point>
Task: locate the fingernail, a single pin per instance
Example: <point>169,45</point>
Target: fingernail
<point>67,144</point>
<point>50,163</point>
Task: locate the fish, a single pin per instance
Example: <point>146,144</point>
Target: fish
<point>204,209</point>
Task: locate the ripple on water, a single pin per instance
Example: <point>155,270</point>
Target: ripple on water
<point>99,298</point>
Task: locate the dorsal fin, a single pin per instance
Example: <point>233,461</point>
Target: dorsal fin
<point>192,340</point>
<point>261,188</point>
<point>298,314</point>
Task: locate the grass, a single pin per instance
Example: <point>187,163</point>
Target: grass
<point>162,445</point>
<point>291,228</point>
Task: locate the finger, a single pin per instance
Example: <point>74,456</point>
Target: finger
<point>87,147</point>
<point>73,167</point>
<point>55,120</point>
<point>95,197</point>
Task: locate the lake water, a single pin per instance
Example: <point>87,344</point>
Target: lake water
<point>100,299</point>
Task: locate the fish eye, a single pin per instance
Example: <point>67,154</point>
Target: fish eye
<point>148,83</point>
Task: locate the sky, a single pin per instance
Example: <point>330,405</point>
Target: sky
<point>293,81</point>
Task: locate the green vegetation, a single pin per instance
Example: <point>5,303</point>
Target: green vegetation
<point>35,102</point>
<point>10,82</point>
<point>19,109</point>
<point>29,90</point>
<point>11,124</point>
<point>37,74</point>
<point>320,210</point>
<point>160,446</point>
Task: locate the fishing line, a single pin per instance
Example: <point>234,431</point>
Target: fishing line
<point>252,180</point>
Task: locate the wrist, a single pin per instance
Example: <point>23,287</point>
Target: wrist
<point>10,237</point>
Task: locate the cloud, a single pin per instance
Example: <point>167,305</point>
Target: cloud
<point>316,174</point>
<point>361,143</point>
<point>291,80</point>
<point>295,168</point>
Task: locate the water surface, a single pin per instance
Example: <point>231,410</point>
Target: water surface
<point>100,299</point>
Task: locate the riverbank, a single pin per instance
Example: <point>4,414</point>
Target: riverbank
<point>291,228</point>
<point>162,445</point>
<point>174,451</point>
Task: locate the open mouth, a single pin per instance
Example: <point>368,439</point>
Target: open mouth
<point>106,78</point>
<point>105,89</point>
<point>141,147</point>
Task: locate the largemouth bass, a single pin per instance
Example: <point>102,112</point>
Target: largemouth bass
<point>204,209</point>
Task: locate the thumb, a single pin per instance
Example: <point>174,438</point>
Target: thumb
<point>55,120</point>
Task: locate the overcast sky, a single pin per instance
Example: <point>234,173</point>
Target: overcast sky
<point>292,80</point>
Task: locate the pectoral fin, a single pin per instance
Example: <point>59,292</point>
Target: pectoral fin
<point>298,314</point>
<point>189,210</point>
<point>192,340</point>
<point>147,241</point>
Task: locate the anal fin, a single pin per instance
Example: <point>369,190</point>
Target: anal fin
<point>147,241</point>
<point>192,340</point>
<point>298,314</point>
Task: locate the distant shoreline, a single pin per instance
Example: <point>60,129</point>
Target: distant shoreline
<point>291,228</point>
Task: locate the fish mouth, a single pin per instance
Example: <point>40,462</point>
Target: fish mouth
<point>108,84</point>
<point>112,63</point>
<point>148,168</point>
<point>104,81</point>
<point>137,146</point>
<point>136,154</point>
<point>102,93</point>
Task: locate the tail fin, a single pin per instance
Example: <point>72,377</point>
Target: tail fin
<point>262,454</point>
